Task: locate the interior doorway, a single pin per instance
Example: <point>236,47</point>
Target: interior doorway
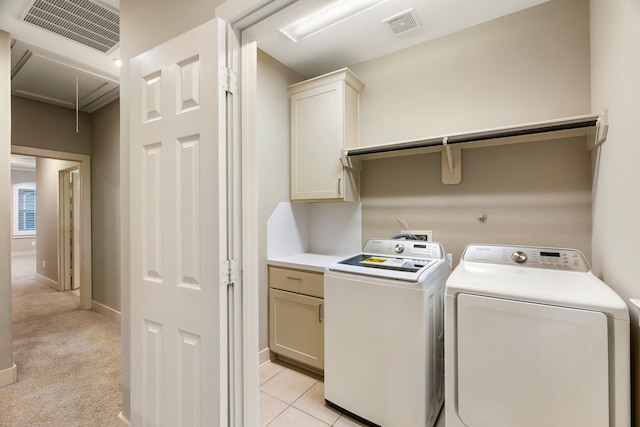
<point>81,253</point>
<point>70,231</point>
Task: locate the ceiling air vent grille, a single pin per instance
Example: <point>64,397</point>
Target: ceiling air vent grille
<point>82,21</point>
<point>402,22</point>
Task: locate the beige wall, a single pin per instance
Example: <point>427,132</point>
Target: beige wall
<point>39,125</point>
<point>6,340</point>
<point>529,66</point>
<point>532,193</point>
<point>47,196</point>
<point>148,23</point>
<point>105,204</point>
<point>615,85</point>
<point>273,162</point>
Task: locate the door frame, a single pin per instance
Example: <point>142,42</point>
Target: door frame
<point>251,20</point>
<point>84,165</point>
<point>67,255</point>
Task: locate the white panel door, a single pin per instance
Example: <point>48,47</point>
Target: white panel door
<point>179,232</point>
<point>531,365</point>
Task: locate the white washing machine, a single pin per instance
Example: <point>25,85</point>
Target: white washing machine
<point>533,338</point>
<point>384,332</point>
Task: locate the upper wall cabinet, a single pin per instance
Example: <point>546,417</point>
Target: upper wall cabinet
<point>324,122</point>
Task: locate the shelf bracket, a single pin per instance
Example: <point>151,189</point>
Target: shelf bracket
<point>451,161</point>
<point>601,130</point>
<point>349,162</point>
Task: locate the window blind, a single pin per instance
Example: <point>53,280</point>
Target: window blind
<point>26,209</point>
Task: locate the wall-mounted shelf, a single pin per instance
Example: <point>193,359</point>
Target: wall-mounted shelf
<point>593,126</point>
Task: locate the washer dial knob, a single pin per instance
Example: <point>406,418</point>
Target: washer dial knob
<point>398,248</point>
<point>519,257</point>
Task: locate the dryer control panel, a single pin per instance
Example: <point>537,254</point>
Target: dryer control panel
<point>528,256</point>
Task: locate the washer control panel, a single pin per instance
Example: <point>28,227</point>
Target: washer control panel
<point>529,256</point>
<point>404,248</point>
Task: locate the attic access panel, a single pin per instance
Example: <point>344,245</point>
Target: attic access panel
<point>44,77</point>
<point>83,21</point>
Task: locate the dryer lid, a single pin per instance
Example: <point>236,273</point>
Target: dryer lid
<point>558,259</point>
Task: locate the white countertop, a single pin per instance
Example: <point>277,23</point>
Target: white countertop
<point>306,261</point>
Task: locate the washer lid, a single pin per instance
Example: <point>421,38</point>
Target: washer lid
<point>524,281</point>
<point>394,259</point>
<point>397,268</point>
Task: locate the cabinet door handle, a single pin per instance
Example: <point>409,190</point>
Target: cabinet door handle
<point>320,313</point>
<point>339,186</point>
<point>294,278</point>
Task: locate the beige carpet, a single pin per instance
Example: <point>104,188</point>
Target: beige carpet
<point>68,360</point>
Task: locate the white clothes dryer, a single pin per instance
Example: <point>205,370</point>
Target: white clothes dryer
<point>533,338</point>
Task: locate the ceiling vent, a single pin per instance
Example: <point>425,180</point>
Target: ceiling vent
<point>83,21</point>
<point>402,22</point>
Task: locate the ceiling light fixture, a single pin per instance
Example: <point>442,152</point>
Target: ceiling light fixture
<point>118,62</point>
<point>327,17</point>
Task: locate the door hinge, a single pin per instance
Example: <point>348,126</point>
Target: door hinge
<point>230,272</point>
<point>229,79</point>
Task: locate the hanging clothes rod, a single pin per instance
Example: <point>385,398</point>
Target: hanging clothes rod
<point>566,124</point>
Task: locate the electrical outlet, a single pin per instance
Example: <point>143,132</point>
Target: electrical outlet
<point>420,234</point>
<point>44,264</point>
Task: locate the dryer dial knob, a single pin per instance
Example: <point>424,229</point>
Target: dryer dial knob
<point>519,257</point>
<point>398,248</point>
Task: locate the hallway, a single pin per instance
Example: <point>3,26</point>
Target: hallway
<point>69,369</point>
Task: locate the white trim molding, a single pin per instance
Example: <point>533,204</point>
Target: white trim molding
<point>49,282</point>
<point>106,311</point>
<point>122,421</point>
<point>264,356</point>
<point>9,376</point>
<point>23,253</point>
<point>85,211</point>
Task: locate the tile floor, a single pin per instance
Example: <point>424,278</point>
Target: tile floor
<point>292,397</point>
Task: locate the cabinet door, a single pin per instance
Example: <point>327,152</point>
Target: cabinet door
<point>317,137</point>
<point>296,328</point>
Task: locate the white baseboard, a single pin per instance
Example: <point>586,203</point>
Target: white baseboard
<point>45,280</point>
<point>105,311</point>
<point>8,376</point>
<point>122,421</point>
<point>264,356</point>
<point>25,253</point>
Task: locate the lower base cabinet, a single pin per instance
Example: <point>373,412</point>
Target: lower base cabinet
<point>296,321</point>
